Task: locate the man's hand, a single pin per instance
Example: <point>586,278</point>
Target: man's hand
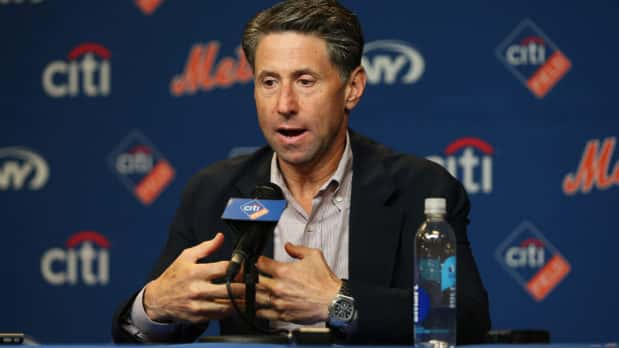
<point>184,292</point>
<point>298,292</point>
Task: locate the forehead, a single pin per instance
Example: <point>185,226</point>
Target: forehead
<point>291,50</point>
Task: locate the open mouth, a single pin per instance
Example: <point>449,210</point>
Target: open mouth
<point>291,133</point>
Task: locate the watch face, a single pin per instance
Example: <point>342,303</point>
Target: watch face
<point>343,309</point>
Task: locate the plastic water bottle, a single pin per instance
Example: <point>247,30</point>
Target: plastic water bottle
<point>434,301</point>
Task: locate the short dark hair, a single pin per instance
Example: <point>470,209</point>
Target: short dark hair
<point>326,19</point>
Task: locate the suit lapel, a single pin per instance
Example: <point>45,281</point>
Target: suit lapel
<point>375,226</point>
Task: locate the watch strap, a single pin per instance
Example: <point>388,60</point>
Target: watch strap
<point>345,288</point>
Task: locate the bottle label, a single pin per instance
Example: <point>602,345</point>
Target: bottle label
<point>448,273</point>
<point>421,304</point>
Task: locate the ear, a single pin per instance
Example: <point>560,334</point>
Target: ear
<point>355,87</point>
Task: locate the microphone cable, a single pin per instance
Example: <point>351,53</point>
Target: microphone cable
<point>266,331</point>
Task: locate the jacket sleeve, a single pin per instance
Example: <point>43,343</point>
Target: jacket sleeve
<point>123,330</point>
<point>180,237</point>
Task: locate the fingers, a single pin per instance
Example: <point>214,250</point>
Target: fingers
<point>267,306</point>
<point>210,271</point>
<point>264,299</point>
<point>266,283</point>
<point>212,291</point>
<point>268,314</point>
<point>268,265</point>
<point>205,248</point>
<point>213,302</point>
<point>297,251</point>
<point>210,311</point>
<point>206,290</point>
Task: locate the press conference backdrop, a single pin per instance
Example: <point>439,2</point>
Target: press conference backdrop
<point>109,107</point>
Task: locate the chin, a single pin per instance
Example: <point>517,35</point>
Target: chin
<point>293,158</point>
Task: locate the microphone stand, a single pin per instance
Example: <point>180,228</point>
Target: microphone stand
<point>250,276</point>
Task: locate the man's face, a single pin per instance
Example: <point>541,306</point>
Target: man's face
<point>300,99</point>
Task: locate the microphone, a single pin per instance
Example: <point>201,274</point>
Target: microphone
<point>255,230</point>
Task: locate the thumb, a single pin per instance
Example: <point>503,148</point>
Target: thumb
<point>297,251</point>
<point>205,248</point>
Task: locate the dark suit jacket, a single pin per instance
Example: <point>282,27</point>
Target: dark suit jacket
<point>387,206</point>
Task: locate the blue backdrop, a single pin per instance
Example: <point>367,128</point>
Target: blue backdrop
<point>108,108</point>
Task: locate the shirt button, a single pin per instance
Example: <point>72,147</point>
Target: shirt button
<point>339,199</point>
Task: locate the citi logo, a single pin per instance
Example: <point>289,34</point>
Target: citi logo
<point>138,160</point>
<point>254,209</point>
<point>594,168</point>
<point>22,168</point>
<point>204,73</point>
<point>81,74</point>
<point>530,254</point>
<point>530,51</point>
<point>140,167</point>
<point>391,62</point>
<point>470,160</point>
<point>79,262</point>
<point>532,261</point>
<point>533,59</point>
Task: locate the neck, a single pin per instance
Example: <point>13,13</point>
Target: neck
<point>304,181</point>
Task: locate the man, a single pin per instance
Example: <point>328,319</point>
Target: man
<point>353,205</point>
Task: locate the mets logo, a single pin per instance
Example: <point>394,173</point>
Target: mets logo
<point>594,168</point>
<point>141,168</point>
<point>205,70</point>
<point>254,209</point>
<point>533,59</point>
<point>532,261</point>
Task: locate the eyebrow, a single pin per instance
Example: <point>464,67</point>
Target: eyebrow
<point>295,73</point>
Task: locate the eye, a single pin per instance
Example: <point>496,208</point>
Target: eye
<point>269,82</point>
<point>306,81</point>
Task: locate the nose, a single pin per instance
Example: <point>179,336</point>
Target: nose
<point>287,103</point>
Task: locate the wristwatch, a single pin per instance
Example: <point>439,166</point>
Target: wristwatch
<point>342,310</point>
